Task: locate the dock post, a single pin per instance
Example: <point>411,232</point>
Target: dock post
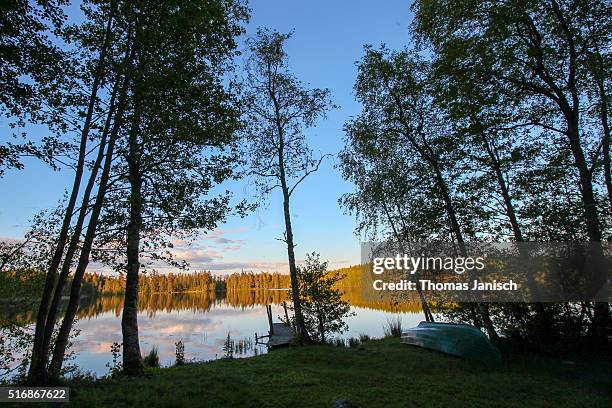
<point>269,311</point>
<point>286,314</point>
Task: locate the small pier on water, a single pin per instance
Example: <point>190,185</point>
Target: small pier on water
<point>280,334</point>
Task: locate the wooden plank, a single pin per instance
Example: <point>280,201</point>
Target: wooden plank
<point>282,335</point>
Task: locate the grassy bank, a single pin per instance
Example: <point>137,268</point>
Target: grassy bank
<point>382,373</point>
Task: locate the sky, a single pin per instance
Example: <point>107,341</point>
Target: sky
<point>328,39</point>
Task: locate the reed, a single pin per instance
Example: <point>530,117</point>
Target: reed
<point>152,359</point>
<point>393,327</point>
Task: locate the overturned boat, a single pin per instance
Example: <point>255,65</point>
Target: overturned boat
<point>459,340</point>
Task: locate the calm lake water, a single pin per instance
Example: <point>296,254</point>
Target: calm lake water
<point>202,321</point>
<point>202,325</point>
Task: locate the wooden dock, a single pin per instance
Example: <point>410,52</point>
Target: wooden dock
<point>280,334</point>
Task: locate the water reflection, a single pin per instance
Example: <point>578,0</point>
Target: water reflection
<point>203,331</point>
<point>202,322</point>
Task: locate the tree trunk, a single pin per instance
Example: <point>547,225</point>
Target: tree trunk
<point>75,290</point>
<point>508,205</point>
<point>603,112</point>
<point>450,210</point>
<point>432,158</point>
<point>38,364</point>
<point>428,315</point>
<point>61,343</point>
<point>571,114</point>
<point>597,275</point>
<point>602,309</point>
<point>516,229</point>
<point>586,184</point>
<point>321,327</point>
<point>295,289</point>
<point>606,165</point>
<point>76,234</point>
<point>132,359</point>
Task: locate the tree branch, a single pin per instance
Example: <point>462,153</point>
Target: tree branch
<point>308,172</point>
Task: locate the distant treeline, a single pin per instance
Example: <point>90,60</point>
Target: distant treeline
<point>154,283</point>
<point>205,282</point>
<point>237,289</point>
<point>188,282</point>
<point>198,291</point>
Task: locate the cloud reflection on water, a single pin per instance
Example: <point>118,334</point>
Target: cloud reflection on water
<point>203,331</point>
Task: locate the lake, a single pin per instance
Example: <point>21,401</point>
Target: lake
<point>202,322</point>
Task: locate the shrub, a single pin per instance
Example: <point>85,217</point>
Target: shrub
<point>115,367</point>
<point>179,353</point>
<point>323,308</point>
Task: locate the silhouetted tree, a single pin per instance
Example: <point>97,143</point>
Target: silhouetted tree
<point>403,131</point>
<point>278,109</point>
<point>549,60</point>
<point>176,146</point>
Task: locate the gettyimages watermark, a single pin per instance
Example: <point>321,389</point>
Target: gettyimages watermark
<point>487,272</point>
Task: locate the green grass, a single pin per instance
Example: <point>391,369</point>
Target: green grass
<point>381,373</point>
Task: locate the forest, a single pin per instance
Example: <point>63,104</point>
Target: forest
<point>199,290</point>
<point>490,125</point>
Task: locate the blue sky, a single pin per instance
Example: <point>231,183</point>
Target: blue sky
<point>328,39</point>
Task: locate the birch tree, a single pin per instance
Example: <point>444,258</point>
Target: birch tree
<point>278,110</point>
<point>177,141</point>
<point>401,123</point>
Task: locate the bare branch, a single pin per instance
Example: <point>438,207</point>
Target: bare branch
<point>308,172</point>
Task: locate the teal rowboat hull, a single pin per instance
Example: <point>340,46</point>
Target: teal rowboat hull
<point>459,340</point>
